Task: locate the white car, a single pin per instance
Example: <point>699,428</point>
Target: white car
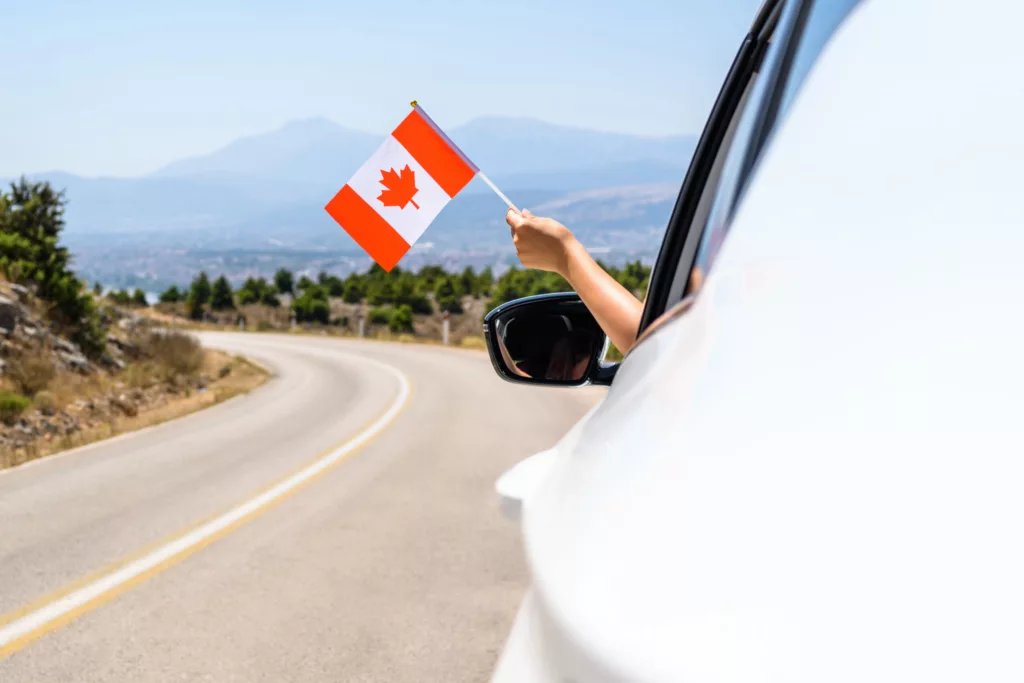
<point>811,466</point>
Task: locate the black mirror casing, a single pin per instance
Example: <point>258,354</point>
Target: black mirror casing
<point>548,339</point>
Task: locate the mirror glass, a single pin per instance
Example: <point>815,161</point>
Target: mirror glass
<point>549,343</point>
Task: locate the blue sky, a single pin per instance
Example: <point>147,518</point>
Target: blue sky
<point>122,87</point>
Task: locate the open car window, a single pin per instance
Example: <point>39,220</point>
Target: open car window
<point>810,24</point>
<point>740,92</point>
<point>772,63</point>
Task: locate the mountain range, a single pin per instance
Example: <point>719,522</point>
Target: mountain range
<point>268,191</point>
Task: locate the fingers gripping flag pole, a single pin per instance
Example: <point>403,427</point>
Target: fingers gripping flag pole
<point>392,199</point>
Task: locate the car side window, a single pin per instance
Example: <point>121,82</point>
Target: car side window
<point>809,25</point>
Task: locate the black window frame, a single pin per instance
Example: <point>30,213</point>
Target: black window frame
<point>766,111</point>
<point>666,265</point>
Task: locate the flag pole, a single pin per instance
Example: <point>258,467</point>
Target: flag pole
<point>484,178</point>
<point>497,191</point>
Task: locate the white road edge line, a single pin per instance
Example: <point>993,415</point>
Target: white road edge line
<point>62,606</point>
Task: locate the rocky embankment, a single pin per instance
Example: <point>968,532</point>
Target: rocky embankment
<point>52,396</point>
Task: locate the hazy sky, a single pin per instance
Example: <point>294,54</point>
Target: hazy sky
<point>122,87</point>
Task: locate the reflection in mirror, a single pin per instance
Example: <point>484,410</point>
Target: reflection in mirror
<point>554,345</point>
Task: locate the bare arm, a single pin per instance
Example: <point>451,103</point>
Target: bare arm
<point>548,245</point>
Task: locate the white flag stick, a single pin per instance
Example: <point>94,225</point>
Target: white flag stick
<point>497,191</point>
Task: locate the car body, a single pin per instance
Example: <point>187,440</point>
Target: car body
<point>811,466</point>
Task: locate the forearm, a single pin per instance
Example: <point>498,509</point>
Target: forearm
<point>617,311</point>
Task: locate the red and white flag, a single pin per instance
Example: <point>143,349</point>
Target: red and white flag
<point>392,199</point>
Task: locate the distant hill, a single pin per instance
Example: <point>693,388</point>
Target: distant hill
<point>525,152</point>
<point>311,150</point>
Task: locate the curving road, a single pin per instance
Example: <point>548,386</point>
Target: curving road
<point>338,524</point>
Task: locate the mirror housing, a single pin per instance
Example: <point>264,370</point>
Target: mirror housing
<point>548,339</point>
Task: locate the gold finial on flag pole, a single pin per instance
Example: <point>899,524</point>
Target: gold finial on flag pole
<point>413,104</point>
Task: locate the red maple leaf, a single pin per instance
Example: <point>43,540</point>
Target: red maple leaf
<point>401,187</point>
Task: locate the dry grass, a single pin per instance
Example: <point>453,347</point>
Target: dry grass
<point>32,373</point>
<point>242,377</point>
<point>174,354</point>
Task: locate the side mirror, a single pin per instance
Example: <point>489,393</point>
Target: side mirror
<point>549,339</point>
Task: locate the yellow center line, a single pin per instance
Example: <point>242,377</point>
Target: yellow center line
<point>22,626</point>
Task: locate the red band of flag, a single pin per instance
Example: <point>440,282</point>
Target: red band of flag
<point>438,155</point>
<point>367,228</point>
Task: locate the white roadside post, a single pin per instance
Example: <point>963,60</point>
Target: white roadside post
<point>362,326</point>
<point>445,327</point>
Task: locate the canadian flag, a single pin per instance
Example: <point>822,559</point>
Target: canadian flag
<point>395,195</point>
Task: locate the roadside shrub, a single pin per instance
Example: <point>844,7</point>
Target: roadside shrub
<point>264,325</point>
<point>11,406</point>
<point>378,316</point>
<point>401,319</point>
<point>175,353</point>
<point>32,374</point>
<point>46,402</point>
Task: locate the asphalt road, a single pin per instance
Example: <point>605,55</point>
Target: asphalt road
<point>375,552</point>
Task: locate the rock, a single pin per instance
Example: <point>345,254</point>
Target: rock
<point>62,344</point>
<point>3,367</point>
<point>76,362</point>
<point>48,411</point>
<point>111,362</point>
<point>21,291</point>
<point>129,323</point>
<point>119,346</point>
<point>31,331</point>
<point>10,314</point>
<point>124,405</point>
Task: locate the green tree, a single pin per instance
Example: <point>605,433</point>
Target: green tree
<point>258,291</point>
<point>429,275</point>
<point>284,280</point>
<point>31,221</point>
<point>97,289</point>
<point>304,283</point>
<point>485,282</point>
<point>221,297</point>
<point>446,296</point>
<point>380,291</point>
<point>407,292</point>
<point>332,283</point>
<point>201,290</point>
<point>353,293</point>
<point>198,296</point>
<point>401,319</point>
<point>139,298</point>
<point>468,283</point>
<point>171,295</point>
<point>312,305</point>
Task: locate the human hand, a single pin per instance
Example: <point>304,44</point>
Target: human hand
<point>541,243</point>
